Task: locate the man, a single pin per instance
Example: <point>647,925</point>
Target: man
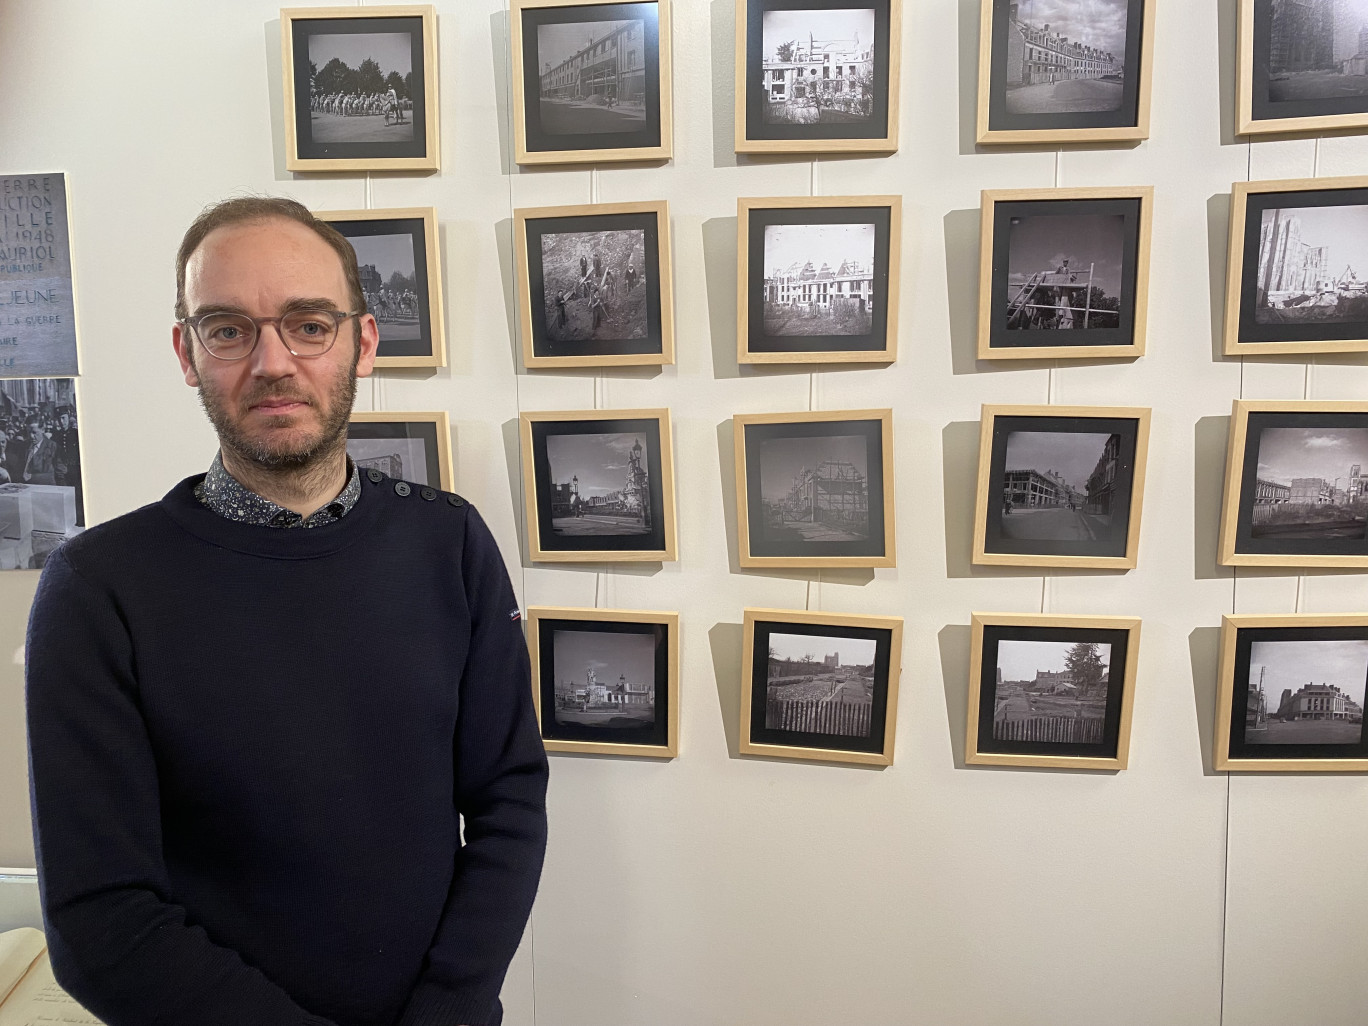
<point>262,710</point>
<point>39,464</point>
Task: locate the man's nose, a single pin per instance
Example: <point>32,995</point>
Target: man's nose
<point>272,357</point>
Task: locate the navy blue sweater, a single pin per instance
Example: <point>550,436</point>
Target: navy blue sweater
<point>250,753</point>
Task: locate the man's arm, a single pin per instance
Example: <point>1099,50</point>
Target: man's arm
<point>119,942</point>
<point>501,794</point>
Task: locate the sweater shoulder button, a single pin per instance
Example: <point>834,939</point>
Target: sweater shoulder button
<point>401,488</point>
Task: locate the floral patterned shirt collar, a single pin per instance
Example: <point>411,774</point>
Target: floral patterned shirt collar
<point>229,498</point>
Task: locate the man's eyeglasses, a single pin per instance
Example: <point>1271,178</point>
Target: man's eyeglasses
<point>233,336</point>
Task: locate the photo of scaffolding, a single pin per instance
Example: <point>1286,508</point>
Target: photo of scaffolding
<point>1306,692</point>
<point>1064,272</point>
<point>604,679</point>
<point>1052,691</point>
<point>815,490</point>
<point>819,685</point>
<point>1309,263</point>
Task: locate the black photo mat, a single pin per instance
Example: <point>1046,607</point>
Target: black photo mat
<point>1256,204</point>
<point>1240,745</point>
<point>1125,116</point>
<point>1245,542</point>
<point>1119,640</point>
<point>878,714</point>
<point>541,140</point>
<point>657,733</point>
<point>544,346</point>
<point>1262,106</point>
<point>303,114</point>
<point>757,341</point>
<point>762,544</point>
<point>1113,543</point>
<point>414,228</point>
<point>420,430</point>
<point>652,540</point>
<point>757,128</point>
<point>1000,336</point>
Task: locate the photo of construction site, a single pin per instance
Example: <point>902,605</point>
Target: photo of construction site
<point>814,489</point>
<point>820,685</point>
<point>1064,272</point>
<point>604,679</point>
<point>1305,692</point>
<point>819,279</point>
<point>1317,49</point>
<point>1311,484</point>
<point>1051,691</point>
<point>1062,486</point>
<point>818,66</point>
<point>593,285</point>
<point>1309,259</point>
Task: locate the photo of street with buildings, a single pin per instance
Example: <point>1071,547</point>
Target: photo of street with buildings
<point>389,280</point>
<point>1054,691</point>
<point>1312,484</point>
<point>592,77</point>
<point>599,485</point>
<point>1309,263</point>
<point>819,685</point>
<point>361,87</point>
<point>814,489</point>
<point>1306,692</point>
<point>1066,56</point>
<point>819,279</point>
<point>592,285</point>
<point>604,679</point>
<point>817,66</point>
<point>1064,271</point>
<point>1060,486</point>
<point>1317,49</point>
<point>404,459</point>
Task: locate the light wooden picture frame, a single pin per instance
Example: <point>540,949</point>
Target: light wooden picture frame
<point>608,515</point>
<point>402,242</point>
<point>595,285</point>
<point>1284,502</point>
<point>1313,92</point>
<point>1090,303</point>
<point>606,681</point>
<point>836,93</point>
<point>1290,283</point>
<point>815,489</point>
<point>818,279</point>
<point>1061,486</point>
<point>1290,694</point>
<point>591,81</point>
<point>1072,81</point>
<point>1051,691</point>
<point>340,117</point>
<point>412,446</point>
<point>820,686</point>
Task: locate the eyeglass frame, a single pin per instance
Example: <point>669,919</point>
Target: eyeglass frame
<point>340,316</point>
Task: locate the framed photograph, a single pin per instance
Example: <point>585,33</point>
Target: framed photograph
<point>38,308</point>
<point>606,681</point>
<point>1060,486</point>
<point>817,76</point>
<point>1290,694</point>
<point>413,447</point>
<point>360,88</point>
<point>1296,486</point>
<point>818,279</point>
<point>599,486</point>
<point>42,501</point>
<point>595,287</point>
<point>1291,279</point>
<point>1053,691</point>
<point>815,489</point>
<point>400,261</point>
<point>1064,273</point>
<point>1065,71</point>
<point>591,81</point>
<point>820,686</point>
<point>1303,66</point>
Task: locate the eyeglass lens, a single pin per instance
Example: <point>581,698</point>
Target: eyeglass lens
<point>232,336</point>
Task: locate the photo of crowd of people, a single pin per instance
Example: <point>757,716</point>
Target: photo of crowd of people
<point>41,501</point>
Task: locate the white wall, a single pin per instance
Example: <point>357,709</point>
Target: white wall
<point>714,890</point>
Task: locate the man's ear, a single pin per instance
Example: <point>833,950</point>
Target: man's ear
<point>367,342</point>
<point>183,344</point>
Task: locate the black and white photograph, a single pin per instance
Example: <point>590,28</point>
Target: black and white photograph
<point>37,298</point>
<point>1050,688</point>
<point>590,80</point>
<point>582,274</point>
<point>599,485</point>
<point>412,447</point>
<point>814,490</point>
<point>605,677</point>
<point>359,88</point>
<point>1065,277</point>
<point>1062,483</point>
<point>1299,269</point>
<point>1309,62</point>
<point>816,76</point>
<point>817,277</point>
<point>1070,66</point>
<point>820,683</point>
<point>42,502</point>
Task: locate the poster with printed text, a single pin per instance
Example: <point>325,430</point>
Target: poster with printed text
<point>37,311</point>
